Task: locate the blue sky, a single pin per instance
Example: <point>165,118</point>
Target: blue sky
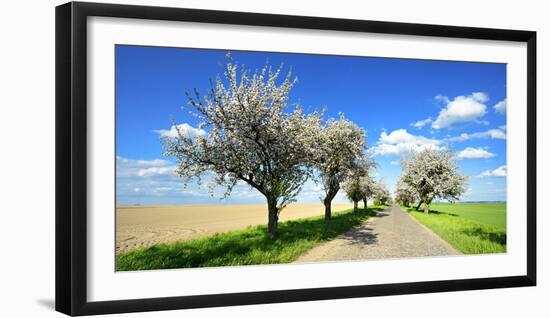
<point>401,104</point>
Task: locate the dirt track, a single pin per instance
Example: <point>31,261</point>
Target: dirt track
<point>139,226</point>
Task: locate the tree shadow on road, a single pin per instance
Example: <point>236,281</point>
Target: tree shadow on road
<point>363,234</point>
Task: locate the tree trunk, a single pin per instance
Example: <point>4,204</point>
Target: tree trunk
<point>273,217</point>
<point>365,203</point>
<point>355,209</point>
<point>327,203</point>
<point>419,204</point>
<point>427,203</point>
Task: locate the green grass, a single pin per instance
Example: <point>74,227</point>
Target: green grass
<point>472,228</point>
<point>492,214</point>
<point>245,247</point>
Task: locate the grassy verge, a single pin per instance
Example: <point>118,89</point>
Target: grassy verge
<point>462,231</point>
<point>244,247</point>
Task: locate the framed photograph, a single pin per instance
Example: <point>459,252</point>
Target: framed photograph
<point>209,158</point>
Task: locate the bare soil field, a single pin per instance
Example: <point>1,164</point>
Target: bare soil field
<point>140,226</point>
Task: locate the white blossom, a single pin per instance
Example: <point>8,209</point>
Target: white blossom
<point>433,175</point>
<point>359,184</point>
<point>404,193</point>
<point>340,144</point>
<point>381,192</point>
<point>252,134</point>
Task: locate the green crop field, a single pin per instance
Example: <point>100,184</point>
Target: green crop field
<point>472,228</point>
<point>493,214</point>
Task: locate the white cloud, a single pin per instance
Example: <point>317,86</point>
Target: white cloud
<point>400,141</point>
<point>480,97</point>
<point>152,171</point>
<point>491,133</point>
<point>185,129</point>
<point>498,172</point>
<point>148,163</point>
<point>442,98</point>
<point>500,107</point>
<point>461,109</point>
<point>474,153</point>
<point>136,168</point>
<point>162,189</point>
<point>395,163</point>
<point>311,192</point>
<point>421,123</point>
<point>402,136</point>
<point>150,180</point>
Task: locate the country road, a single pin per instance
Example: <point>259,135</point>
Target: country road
<point>391,234</point>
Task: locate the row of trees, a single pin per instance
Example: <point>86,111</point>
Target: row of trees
<point>254,136</point>
<point>428,175</point>
<point>339,156</point>
<point>361,186</point>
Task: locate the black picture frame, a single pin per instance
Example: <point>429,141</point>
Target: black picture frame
<point>71,157</point>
